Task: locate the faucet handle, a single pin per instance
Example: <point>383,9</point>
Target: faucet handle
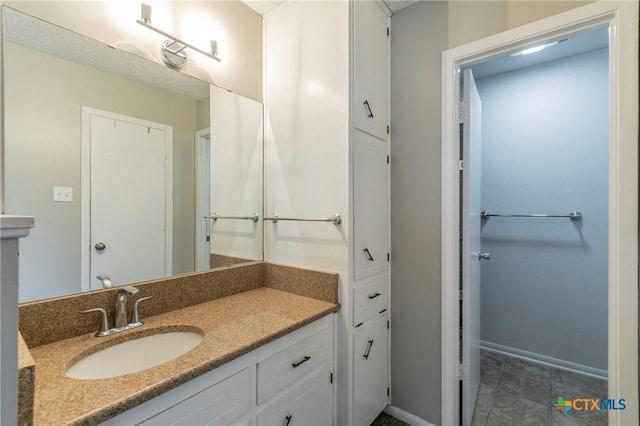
<point>129,289</point>
<point>135,317</point>
<point>104,330</point>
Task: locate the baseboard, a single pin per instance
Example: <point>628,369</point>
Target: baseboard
<point>545,360</point>
<point>406,417</point>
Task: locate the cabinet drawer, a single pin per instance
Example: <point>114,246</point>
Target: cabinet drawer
<point>221,403</point>
<point>369,299</point>
<point>289,365</point>
<point>308,403</point>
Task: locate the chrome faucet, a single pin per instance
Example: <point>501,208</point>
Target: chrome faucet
<point>121,306</point>
<point>121,322</point>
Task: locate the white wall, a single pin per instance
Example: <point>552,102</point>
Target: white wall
<point>236,164</point>
<point>545,134</point>
<point>42,145</point>
<point>307,152</point>
<point>307,145</point>
<point>419,34</point>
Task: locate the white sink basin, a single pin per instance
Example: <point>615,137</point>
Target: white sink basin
<point>134,355</point>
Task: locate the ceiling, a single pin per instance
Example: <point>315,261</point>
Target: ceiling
<point>263,6</point>
<point>574,44</point>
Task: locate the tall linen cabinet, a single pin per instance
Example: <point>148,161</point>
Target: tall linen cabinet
<point>327,152</point>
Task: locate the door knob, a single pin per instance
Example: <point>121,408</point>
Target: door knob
<point>484,256</point>
<point>100,246</point>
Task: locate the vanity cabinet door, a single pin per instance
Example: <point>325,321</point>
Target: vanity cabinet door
<point>371,68</point>
<point>308,403</point>
<point>221,403</point>
<point>370,205</point>
<point>370,370</point>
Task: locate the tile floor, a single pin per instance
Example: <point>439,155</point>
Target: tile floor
<point>517,392</point>
<point>385,419</point>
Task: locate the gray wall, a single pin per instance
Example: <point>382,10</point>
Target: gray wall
<point>415,207</point>
<point>545,133</point>
<point>42,150</point>
<point>419,34</point>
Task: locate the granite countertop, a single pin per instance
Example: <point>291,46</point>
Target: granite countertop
<point>231,326</point>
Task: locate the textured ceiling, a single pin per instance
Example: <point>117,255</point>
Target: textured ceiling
<point>36,34</point>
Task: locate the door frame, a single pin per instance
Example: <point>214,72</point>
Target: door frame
<point>85,189</point>
<point>622,17</point>
<point>203,174</point>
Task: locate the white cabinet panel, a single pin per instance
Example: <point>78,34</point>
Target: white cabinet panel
<point>221,403</point>
<point>371,370</point>
<point>370,298</point>
<point>370,205</point>
<point>371,74</point>
<point>308,404</point>
<point>291,364</point>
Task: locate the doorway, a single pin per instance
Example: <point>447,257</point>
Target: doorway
<point>622,177</point>
<point>542,190</point>
<point>126,206</point>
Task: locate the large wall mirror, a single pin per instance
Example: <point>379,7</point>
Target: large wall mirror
<point>133,171</point>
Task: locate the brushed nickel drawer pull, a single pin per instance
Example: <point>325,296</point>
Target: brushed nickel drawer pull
<point>297,364</point>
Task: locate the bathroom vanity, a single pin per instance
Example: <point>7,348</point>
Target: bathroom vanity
<point>267,355</point>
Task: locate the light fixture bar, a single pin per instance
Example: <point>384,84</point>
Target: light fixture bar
<point>145,21</point>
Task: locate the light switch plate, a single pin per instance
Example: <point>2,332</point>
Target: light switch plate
<point>62,194</point>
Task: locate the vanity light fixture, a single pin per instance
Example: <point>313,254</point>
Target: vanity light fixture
<point>172,49</point>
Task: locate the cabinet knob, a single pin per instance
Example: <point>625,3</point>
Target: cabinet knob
<point>100,246</point>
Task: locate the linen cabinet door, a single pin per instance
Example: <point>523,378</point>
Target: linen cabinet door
<point>306,404</point>
<point>370,205</point>
<point>371,68</point>
<point>371,370</point>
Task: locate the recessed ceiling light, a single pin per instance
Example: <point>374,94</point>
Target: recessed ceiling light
<point>535,49</point>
